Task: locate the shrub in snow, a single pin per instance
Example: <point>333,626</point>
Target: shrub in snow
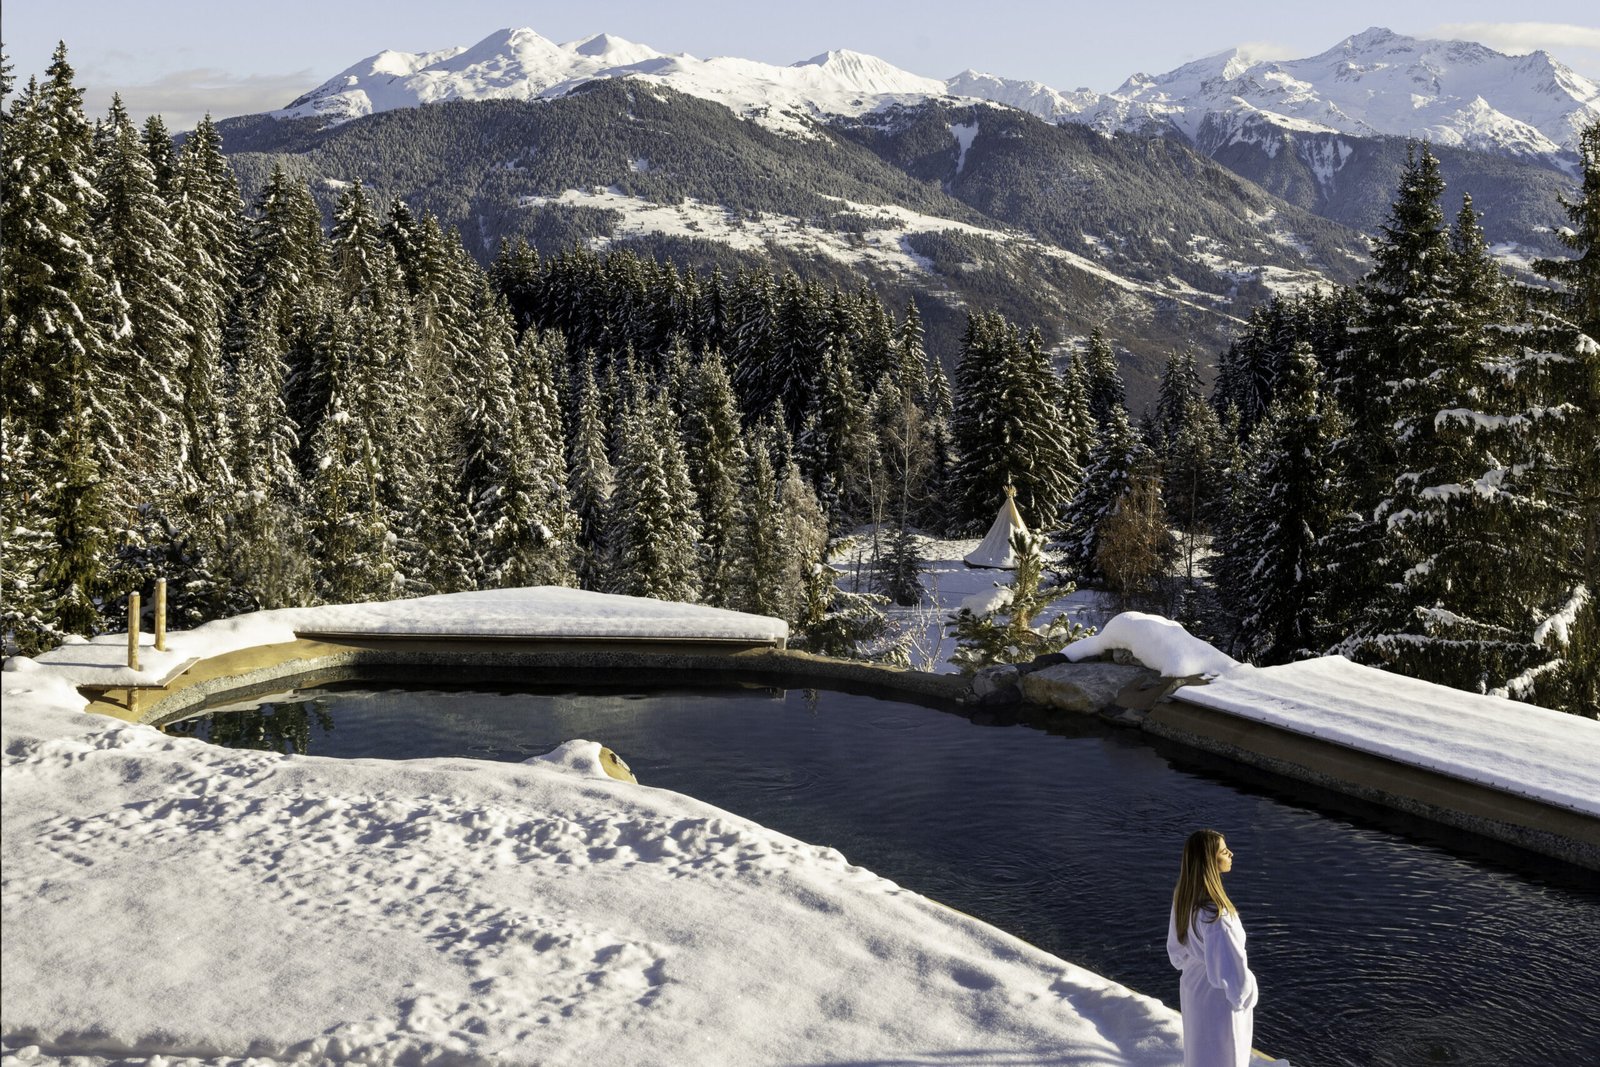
<point>998,627</point>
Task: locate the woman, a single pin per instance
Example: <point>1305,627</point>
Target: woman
<point>1205,941</point>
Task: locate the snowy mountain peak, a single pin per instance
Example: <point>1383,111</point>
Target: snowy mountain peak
<point>1374,82</point>
<point>613,50</point>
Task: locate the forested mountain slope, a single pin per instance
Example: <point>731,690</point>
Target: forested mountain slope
<point>962,208</point>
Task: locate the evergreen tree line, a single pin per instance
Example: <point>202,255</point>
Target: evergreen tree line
<point>270,413</point>
<point>1406,471</point>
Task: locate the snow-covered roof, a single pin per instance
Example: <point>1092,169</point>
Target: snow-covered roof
<point>995,550</point>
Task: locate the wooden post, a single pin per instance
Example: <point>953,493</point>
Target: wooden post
<point>133,631</point>
<point>161,614</point>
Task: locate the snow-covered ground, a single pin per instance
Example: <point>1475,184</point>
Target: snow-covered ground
<point>170,901</point>
<point>167,901</point>
<point>946,582</point>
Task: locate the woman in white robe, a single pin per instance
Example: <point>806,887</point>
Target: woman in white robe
<point>1205,940</point>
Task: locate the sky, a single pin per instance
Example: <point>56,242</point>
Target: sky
<point>185,57</point>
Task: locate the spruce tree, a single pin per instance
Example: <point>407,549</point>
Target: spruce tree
<point>1107,394</point>
<point>1407,317</point>
<point>654,527</point>
<point>56,334</point>
<point>590,480</point>
<point>715,452</point>
<point>1290,504</point>
<point>762,570</point>
<point>1109,477</point>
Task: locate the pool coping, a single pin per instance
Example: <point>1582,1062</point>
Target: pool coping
<point>321,658</point>
<point>1482,809</point>
<point>309,660</point>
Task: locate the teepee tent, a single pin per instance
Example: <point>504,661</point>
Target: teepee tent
<point>995,549</point>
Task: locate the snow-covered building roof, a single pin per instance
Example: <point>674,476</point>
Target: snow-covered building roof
<point>995,549</point>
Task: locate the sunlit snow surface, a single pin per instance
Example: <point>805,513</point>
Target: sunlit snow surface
<point>163,896</point>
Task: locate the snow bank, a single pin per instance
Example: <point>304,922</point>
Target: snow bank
<point>1158,643</point>
<point>165,897</point>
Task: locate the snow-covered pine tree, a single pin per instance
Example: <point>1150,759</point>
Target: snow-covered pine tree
<point>1461,520</point>
<point>1289,505</point>
<point>137,250</point>
<point>350,534</point>
<point>654,530</point>
<point>53,337</point>
<point>206,220</point>
<point>590,479</point>
<point>1562,356</point>
<point>1107,394</point>
<point>835,445</point>
<point>752,340</point>
<point>1079,426</point>
<point>163,156</point>
<point>1110,475</point>
<point>1408,313</point>
<point>267,559</point>
<point>762,570</point>
<point>1179,389</point>
<point>715,451</point>
<point>806,533</point>
<point>537,396</point>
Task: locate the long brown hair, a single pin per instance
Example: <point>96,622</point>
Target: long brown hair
<point>1199,881</point>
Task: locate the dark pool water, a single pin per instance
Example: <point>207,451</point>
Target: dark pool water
<point>1378,941</point>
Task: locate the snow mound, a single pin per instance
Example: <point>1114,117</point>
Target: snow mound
<point>1158,643</point>
<point>578,758</point>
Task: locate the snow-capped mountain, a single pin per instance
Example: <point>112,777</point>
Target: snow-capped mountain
<point>1375,83</point>
<point>521,65</point>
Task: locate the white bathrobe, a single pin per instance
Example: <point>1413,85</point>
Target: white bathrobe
<point>1217,991</point>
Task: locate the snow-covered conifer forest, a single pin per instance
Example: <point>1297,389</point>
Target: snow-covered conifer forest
<point>270,411</point>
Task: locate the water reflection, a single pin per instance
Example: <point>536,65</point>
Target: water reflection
<point>282,727</point>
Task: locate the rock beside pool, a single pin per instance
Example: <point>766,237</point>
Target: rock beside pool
<point>1085,687</point>
<point>997,685</point>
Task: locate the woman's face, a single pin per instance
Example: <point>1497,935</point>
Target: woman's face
<point>1224,856</point>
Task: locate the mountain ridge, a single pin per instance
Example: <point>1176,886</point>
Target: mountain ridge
<point>1374,83</point>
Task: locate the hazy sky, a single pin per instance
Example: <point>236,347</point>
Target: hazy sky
<point>184,57</point>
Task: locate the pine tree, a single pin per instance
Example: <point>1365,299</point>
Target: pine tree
<point>1107,394</point>
<point>1290,505</point>
<point>654,528</point>
<point>206,222</point>
<point>1009,429</point>
<point>590,480</point>
<point>716,456</point>
<point>56,332</point>
<point>350,534</point>
<point>1407,317</point>
<point>761,572</point>
<point>1562,364</point>
<point>138,249</point>
<point>1109,477</point>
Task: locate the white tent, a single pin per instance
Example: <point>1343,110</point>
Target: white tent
<point>995,548</point>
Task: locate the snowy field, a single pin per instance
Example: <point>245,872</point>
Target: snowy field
<point>167,901</point>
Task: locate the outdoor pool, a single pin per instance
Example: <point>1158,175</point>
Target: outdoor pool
<point>1377,939</point>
